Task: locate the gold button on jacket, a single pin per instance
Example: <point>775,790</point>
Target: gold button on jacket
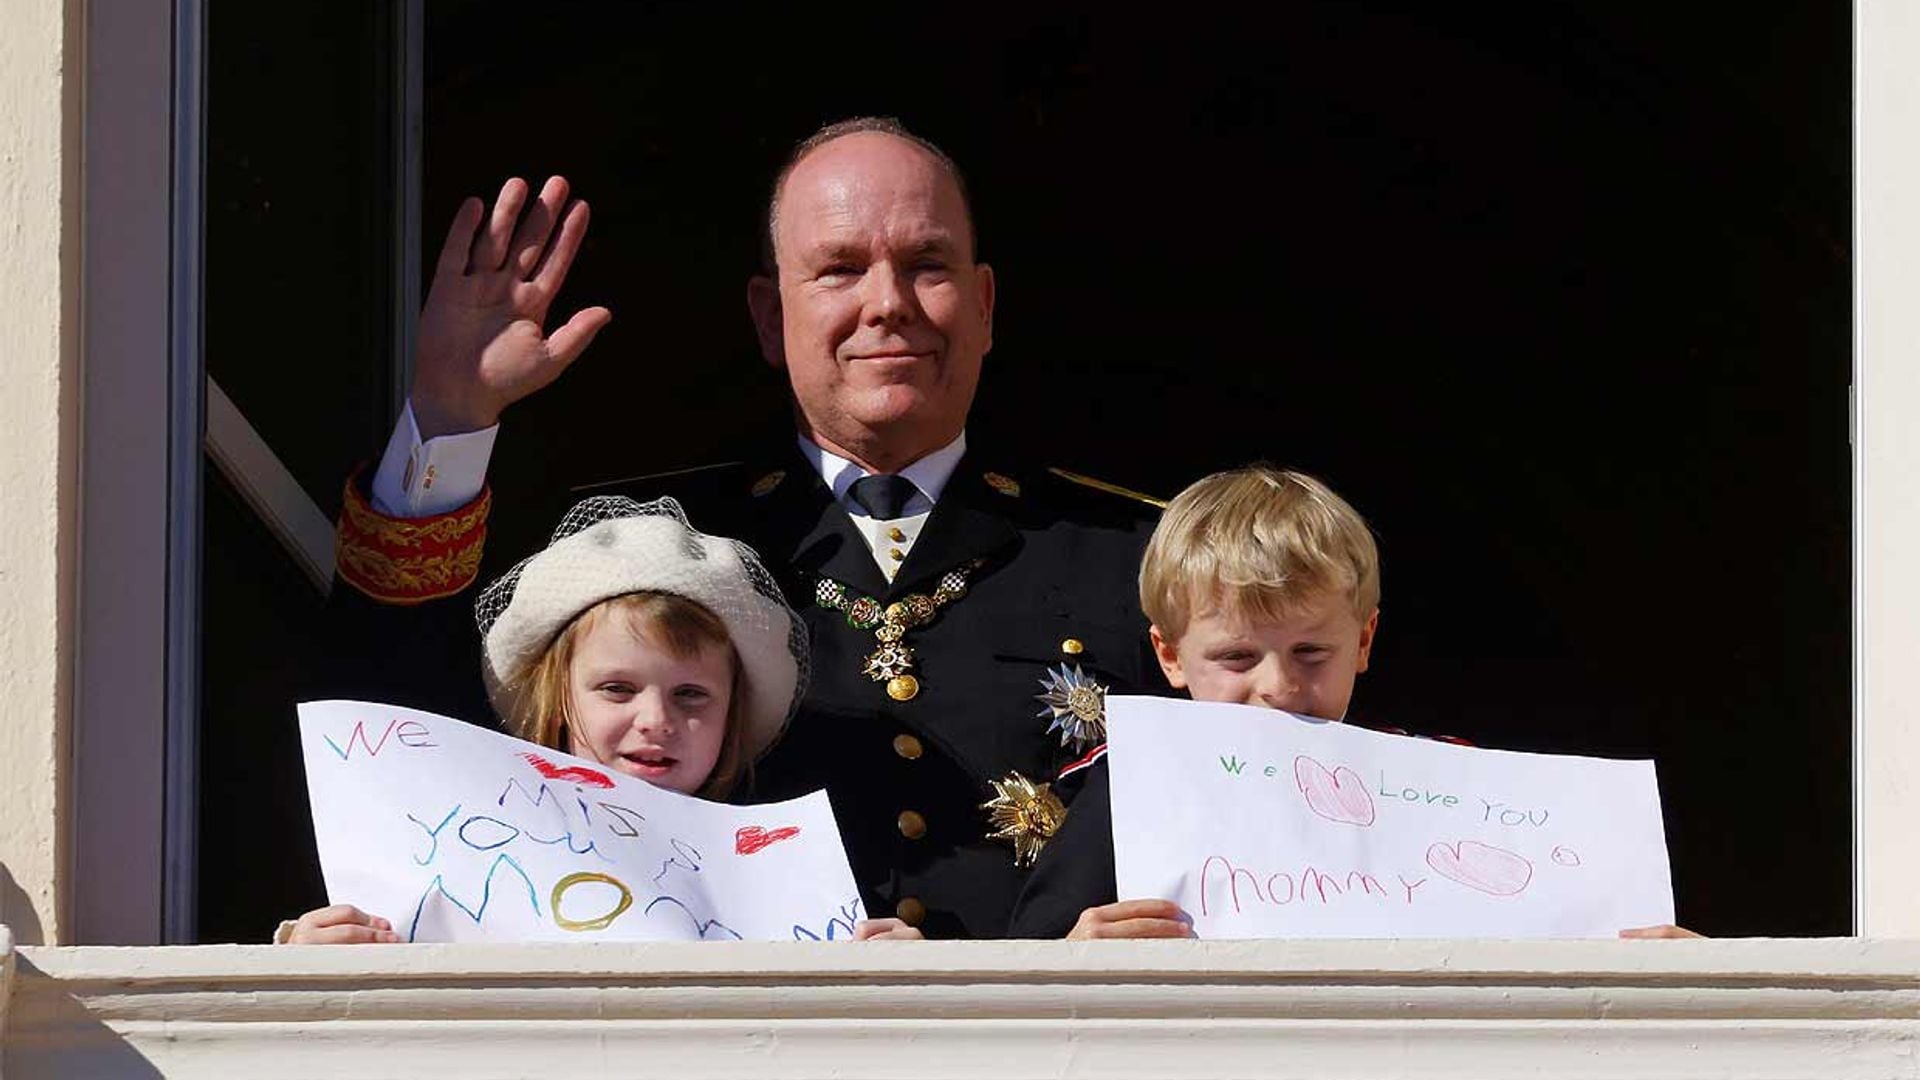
<point>912,825</point>
<point>910,910</point>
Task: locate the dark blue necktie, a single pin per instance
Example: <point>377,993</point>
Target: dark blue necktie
<point>884,496</point>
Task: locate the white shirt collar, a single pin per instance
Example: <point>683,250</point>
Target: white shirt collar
<point>929,474</point>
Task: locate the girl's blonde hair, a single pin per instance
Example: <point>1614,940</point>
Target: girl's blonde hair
<point>542,709</point>
<point>1260,541</point>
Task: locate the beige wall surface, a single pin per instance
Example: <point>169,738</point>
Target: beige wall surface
<point>38,412</point>
<point>1325,1010</point>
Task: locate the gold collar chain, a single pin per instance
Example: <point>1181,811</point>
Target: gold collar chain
<point>893,657</point>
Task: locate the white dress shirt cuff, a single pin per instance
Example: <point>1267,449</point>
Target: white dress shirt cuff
<point>421,479</point>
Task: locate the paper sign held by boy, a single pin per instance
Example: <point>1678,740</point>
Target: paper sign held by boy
<point>1261,824</point>
<point>457,833</point>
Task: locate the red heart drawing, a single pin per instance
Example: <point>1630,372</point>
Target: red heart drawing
<point>575,774</point>
<point>753,837</point>
<point>1492,870</point>
<point>1337,796</point>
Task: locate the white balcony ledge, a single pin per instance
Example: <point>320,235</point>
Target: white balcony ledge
<point>1837,1009</point>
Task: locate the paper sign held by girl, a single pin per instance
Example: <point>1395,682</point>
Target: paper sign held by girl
<point>644,666</point>
<point>457,833</point>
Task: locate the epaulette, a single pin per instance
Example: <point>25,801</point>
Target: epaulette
<point>1111,489</point>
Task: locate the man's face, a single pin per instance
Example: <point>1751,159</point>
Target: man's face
<point>1304,664</point>
<point>883,317</point>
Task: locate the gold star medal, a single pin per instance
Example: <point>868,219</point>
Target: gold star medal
<point>1026,813</point>
<point>1077,706</point>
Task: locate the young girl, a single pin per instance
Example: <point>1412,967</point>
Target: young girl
<point>640,643</point>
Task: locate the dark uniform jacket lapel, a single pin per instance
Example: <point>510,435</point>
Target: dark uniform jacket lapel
<point>962,527</point>
<point>908,777</point>
<point>828,545</point>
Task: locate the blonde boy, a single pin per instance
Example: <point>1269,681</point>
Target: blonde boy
<point>1263,588</point>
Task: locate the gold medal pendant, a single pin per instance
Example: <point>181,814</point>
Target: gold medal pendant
<point>1026,813</point>
<point>892,658</point>
<point>888,662</point>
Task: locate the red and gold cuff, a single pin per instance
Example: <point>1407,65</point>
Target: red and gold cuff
<point>409,560</point>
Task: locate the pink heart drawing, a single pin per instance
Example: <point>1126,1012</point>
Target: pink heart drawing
<point>1492,870</point>
<point>1339,795</point>
<point>578,774</point>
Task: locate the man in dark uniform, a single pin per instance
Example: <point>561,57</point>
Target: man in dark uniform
<point>966,616</point>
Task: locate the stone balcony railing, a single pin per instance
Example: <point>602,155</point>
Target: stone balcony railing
<point>1834,1009</point>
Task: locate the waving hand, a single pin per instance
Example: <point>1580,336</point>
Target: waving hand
<point>483,342</point>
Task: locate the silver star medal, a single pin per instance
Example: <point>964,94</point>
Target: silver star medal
<point>1077,706</point>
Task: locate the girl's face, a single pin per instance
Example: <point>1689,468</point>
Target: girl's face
<point>642,710</point>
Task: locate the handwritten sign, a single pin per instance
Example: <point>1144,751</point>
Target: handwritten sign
<point>458,833</point>
<point>1262,824</point>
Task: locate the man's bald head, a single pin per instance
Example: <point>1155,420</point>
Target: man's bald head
<point>881,125</point>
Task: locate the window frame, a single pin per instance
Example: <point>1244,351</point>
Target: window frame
<point>136,667</point>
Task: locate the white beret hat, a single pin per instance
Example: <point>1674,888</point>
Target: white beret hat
<point>610,546</point>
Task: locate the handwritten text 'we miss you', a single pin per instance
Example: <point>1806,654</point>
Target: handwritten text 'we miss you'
<point>567,808</point>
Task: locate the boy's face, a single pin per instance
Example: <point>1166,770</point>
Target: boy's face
<point>1304,664</point>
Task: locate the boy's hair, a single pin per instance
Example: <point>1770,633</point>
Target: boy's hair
<point>1262,541</point>
<point>543,709</point>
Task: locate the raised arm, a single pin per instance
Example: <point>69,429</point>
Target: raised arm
<point>412,536</point>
